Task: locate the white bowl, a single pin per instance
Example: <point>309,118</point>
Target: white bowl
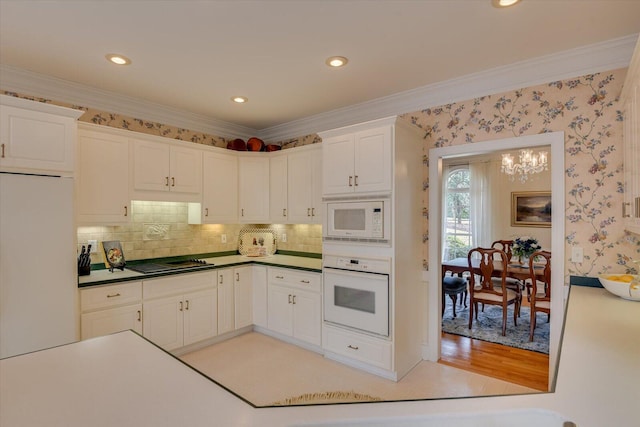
<point>626,290</point>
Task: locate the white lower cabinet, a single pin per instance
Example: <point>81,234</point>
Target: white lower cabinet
<point>295,304</point>
<point>180,310</point>
<point>243,296</point>
<point>226,308</point>
<point>370,350</point>
<point>109,309</point>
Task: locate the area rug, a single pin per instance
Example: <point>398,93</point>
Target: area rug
<point>488,327</point>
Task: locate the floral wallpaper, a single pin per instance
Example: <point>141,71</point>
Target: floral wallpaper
<point>586,109</point>
<point>120,121</point>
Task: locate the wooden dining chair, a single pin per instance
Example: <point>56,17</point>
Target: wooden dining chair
<point>490,285</point>
<point>512,283</point>
<point>540,299</point>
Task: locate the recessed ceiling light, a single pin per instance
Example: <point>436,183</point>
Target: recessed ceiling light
<point>504,3</point>
<point>239,99</point>
<point>336,61</point>
<point>118,59</point>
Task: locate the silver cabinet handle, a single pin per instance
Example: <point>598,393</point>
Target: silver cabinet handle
<point>355,180</point>
<point>139,315</point>
<point>186,304</point>
<point>308,211</point>
<point>181,306</point>
<point>279,277</point>
<point>313,211</point>
<point>284,212</point>
<point>350,184</point>
<point>166,181</point>
<point>304,281</point>
<point>237,277</point>
<point>624,210</point>
<point>353,347</point>
<point>221,277</point>
<point>126,211</point>
<point>289,298</point>
<point>242,212</point>
<point>2,151</point>
<point>113,295</point>
<point>206,211</point>
<point>294,299</point>
<point>173,181</point>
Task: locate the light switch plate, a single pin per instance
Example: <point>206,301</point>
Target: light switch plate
<point>223,238</point>
<point>577,254</point>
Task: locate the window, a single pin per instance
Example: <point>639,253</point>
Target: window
<point>457,213</point>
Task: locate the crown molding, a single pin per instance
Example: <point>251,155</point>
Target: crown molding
<point>603,56</point>
<point>35,84</point>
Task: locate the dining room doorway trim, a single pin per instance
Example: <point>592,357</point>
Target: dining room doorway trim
<point>436,156</point>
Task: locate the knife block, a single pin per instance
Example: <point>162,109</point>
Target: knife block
<point>84,265</point>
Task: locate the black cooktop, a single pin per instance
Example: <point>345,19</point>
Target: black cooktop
<point>159,267</point>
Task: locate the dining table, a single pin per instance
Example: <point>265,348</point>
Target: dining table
<point>458,266</point>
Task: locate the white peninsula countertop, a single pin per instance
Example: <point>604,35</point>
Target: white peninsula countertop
<point>123,380</point>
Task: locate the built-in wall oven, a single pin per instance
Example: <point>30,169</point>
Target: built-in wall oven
<point>356,293</point>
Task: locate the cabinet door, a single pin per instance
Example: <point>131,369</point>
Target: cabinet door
<point>372,166</point>
<point>35,140</point>
<point>300,187</point>
<point>226,312</point>
<point>254,189</point>
<point>337,165</point>
<point>280,309</point>
<point>220,188</point>
<point>259,295</point>
<point>200,315</point>
<point>163,322</point>
<point>316,186</point>
<point>243,296</point>
<point>185,166</point>
<point>307,317</point>
<point>112,320</point>
<point>278,198</point>
<point>103,178</point>
<point>151,166</point>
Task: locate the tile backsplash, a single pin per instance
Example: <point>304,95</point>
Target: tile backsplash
<point>160,229</point>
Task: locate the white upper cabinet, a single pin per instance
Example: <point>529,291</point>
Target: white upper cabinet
<point>37,137</point>
<point>278,199</point>
<point>103,177</point>
<point>357,162</point>
<point>162,167</point>
<point>253,188</point>
<point>631,110</point>
<point>305,186</point>
<point>220,188</point>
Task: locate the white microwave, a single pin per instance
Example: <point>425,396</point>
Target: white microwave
<point>364,220</point>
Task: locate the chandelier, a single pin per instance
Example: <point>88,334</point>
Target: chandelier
<point>529,164</point>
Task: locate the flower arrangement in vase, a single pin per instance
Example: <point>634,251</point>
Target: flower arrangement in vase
<point>524,246</point>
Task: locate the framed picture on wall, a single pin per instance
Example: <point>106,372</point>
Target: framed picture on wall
<point>531,209</point>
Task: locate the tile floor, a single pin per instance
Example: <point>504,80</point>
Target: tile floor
<point>265,370</point>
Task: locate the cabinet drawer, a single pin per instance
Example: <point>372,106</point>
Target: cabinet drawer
<point>178,284</point>
<point>110,296</point>
<point>307,281</point>
<point>359,347</point>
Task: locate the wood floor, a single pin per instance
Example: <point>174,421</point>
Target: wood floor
<point>523,367</point>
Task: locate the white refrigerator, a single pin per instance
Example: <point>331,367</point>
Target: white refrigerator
<point>38,268</point>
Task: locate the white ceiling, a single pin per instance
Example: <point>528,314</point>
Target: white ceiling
<point>193,56</point>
